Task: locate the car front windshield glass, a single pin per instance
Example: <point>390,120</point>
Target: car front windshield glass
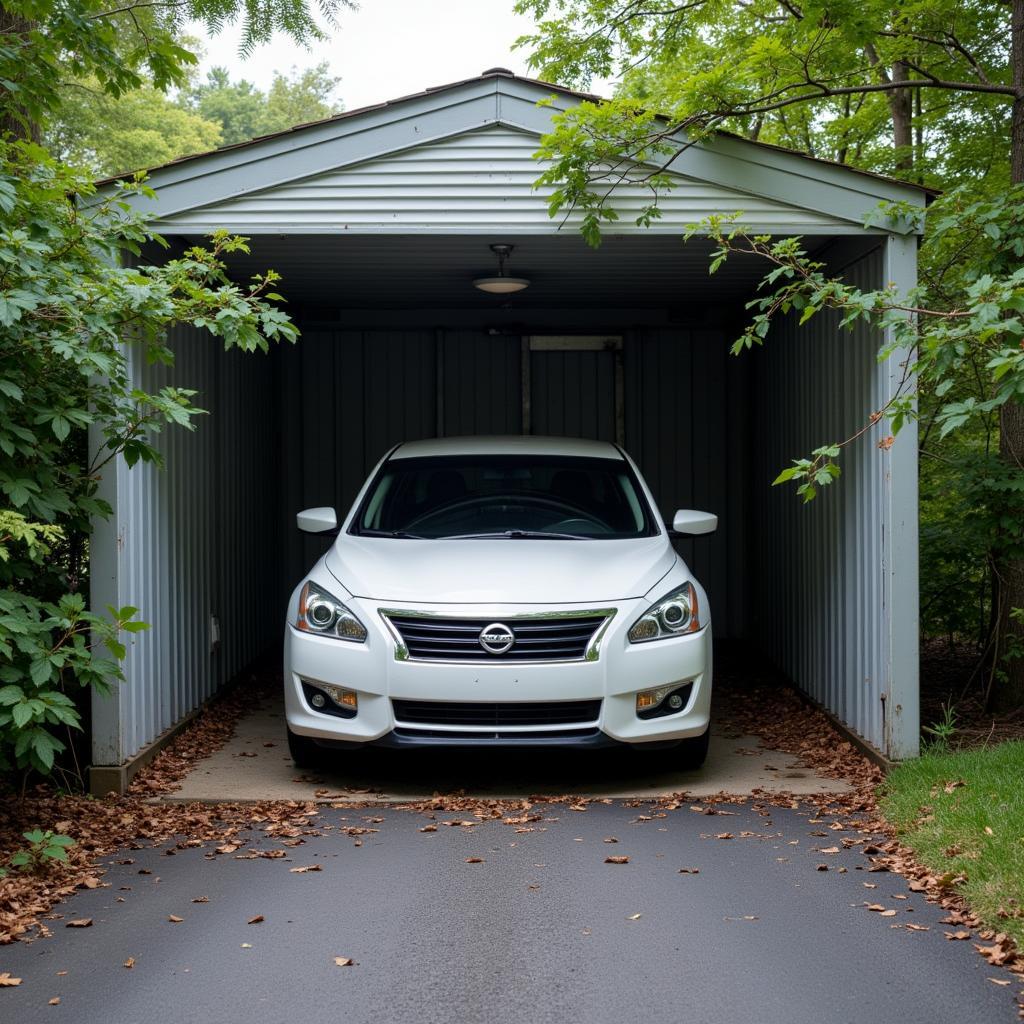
<point>505,496</point>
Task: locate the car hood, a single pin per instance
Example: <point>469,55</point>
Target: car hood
<point>505,571</point>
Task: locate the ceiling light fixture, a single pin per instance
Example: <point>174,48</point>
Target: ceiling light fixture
<point>501,285</point>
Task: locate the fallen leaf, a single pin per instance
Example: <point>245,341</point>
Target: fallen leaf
<point>130,962</point>
<point>616,860</point>
<point>822,867</point>
<point>689,871</point>
<point>610,839</point>
<point>989,832</point>
<point>725,835</point>
<point>955,784</point>
<point>634,917</point>
<point>258,919</point>
<point>174,919</point>
<point>82,922</point>
<point>429,828</point>
<point>6,981</point>
<point>830,849</point>
<point>875,906</point>
<point>55,1001</point>
<point>999,981</point>
<point>956,936</point>
<point>918,927</point>
<point>474,860</point>
<point>201,899</point>
<point>305,868</point>
<point>246,945</point>
<point>344,961</point>
<point>888,913</point>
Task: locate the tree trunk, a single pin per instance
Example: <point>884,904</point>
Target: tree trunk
<point>11,123</point>
<point>1010,693</point>
<point>1017,77</point>
<point>901,110</point>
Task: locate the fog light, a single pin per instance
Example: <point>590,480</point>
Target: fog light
<point>342,697</point>
<point>651,698</point>
<point>318,700</point>
<point>665,700</point>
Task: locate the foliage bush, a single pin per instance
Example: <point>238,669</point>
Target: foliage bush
<point>73,313</point>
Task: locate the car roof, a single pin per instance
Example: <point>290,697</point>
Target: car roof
<point>513,444</point>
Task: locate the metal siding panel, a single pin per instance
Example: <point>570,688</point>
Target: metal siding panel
<point>482,384</point>
<point>478,181</point>
<point>826,560</point>
<point>189,540</point>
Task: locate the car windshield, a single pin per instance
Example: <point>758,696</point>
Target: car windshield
<point>505,496</point>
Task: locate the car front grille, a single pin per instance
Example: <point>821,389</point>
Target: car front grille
<point>497,715</point>
<point>555,638</point>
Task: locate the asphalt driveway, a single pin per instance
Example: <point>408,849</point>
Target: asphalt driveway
<point>540,929</point>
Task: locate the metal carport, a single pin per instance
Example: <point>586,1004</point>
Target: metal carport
<point>379,219</point>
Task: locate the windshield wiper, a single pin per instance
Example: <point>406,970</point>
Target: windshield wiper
<point>400,534</point>
<point>515,535</point>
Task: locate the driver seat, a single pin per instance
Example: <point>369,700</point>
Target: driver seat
<point>574,487</point>
<point>444,487</point>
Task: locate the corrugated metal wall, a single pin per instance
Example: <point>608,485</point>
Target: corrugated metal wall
<point>196,539</point>
<point>819,607</point>
<point>477,181</point>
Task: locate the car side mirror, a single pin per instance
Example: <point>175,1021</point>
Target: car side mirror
<point>317,520</point>
<point>692,523</point>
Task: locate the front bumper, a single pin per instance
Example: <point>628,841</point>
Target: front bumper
<point>372,670</point>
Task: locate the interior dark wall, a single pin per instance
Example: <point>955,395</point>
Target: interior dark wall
<point>348,395</point>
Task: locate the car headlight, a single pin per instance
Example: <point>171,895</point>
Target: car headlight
<point>675,614</point>
<point>325,615</point>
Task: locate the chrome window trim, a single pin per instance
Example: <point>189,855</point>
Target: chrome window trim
<point>592,652</point>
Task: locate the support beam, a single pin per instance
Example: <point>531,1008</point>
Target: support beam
<point>900,562</point>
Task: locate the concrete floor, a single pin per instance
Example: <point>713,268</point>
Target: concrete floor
<point>255,765</point>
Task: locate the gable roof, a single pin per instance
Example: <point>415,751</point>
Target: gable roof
<point>219,183</point>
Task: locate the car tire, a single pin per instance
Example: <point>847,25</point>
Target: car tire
<point>691,754</point>
<point>304,752</point>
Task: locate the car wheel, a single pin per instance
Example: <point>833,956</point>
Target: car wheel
<point>691,754</point>
<point>305,753</point>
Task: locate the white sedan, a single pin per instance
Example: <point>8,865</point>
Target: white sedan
<point>517,591</point>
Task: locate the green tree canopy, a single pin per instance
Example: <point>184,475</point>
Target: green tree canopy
<point>243,111</point>
<point>118,135</point>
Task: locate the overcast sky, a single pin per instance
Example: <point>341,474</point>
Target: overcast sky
<point>389,48</point>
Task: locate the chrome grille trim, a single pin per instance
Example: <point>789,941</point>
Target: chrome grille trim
<point>540,637</point>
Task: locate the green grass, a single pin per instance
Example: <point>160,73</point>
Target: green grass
<point>946,830</point>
